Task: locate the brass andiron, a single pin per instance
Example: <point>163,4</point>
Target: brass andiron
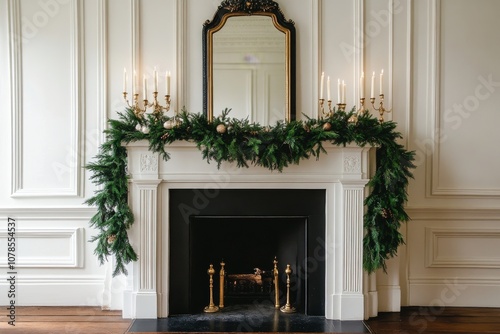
<point>276,285</point>
<point>222,275</point>
<point>211,308</point>
<point>288,308</point>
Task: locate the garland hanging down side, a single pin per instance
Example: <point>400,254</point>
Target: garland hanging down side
<point>245,143</point>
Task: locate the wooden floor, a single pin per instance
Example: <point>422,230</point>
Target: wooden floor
<point>414,320</point>
<point>67,320</point>
<point>92,320</point>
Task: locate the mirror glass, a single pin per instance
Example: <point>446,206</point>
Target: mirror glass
<point>249,52</point>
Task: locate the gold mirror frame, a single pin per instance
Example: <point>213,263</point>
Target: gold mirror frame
<point>234,8</point>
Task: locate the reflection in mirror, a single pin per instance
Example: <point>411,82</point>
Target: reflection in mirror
<point>249,62</point>
<point>249,72</point>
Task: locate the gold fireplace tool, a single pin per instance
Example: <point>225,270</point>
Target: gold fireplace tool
<point>276,285</point>
<point>211,308</point>
<point>222,275</point>
<point>288,308</point>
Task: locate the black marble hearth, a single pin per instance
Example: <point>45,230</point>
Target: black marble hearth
<point>247,319</point>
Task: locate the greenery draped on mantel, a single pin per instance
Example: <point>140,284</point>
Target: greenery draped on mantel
<point>245,143</point>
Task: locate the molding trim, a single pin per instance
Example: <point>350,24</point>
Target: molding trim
<point>432,243</point>
<point>48,214</point>
<point>455,214</point>
<point>102,65</point>
<point>485,281</point>
<point>359,40</point>
<point>77,105</point>
<point>316,51</point>
<point>16,97</point>
<point>135,40</point>
<point>181,63</point>
<point>73,259</point>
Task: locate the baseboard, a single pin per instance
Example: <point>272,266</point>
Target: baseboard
<point>454,292</point>
<point>68,291</point>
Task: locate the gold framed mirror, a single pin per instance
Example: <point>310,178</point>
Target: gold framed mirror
<point>249,62</point>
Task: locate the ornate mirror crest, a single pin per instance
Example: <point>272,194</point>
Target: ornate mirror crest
<point>230,9</point>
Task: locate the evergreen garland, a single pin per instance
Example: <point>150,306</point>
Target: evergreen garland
<point>245,143</point>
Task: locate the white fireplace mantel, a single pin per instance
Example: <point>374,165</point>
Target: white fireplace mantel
<point>343,173</point>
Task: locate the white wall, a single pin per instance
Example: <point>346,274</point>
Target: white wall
<point>454,240</point>
<point>63,78</point>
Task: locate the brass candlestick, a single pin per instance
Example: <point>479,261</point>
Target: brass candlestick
<point>288,307</point>
<point>276,285</point>
<point>361,111</point>
<point>140,111</point>
<point>222,275</point>
<point>341,106</point>
<point>381,109</point>
<point>322,113</point>
<point>211,308</point>
<point>321,110</point>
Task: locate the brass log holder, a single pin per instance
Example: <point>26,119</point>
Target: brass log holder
<point>288,308</point>
<point>276,285</point>
<point>211,308</point>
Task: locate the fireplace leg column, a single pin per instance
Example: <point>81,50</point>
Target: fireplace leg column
<point>145,297</point>
<point>348,299</point>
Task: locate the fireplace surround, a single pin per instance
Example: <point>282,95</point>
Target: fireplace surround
<point>340,175</point>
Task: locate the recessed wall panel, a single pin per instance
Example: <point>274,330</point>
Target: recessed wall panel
<point>47,146</point>
<point>468,99</point>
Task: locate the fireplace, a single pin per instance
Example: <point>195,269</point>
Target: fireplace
<point>313,212</point>
<point>247,229</point>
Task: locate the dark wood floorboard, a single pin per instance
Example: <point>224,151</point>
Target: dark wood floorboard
<point>411,320</point>
<point>415,320</point>
<point>64,320</point>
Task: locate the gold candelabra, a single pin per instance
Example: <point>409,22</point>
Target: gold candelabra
<point>288,308</point>
<point>326,114</point>
<point>381,109</point>
<point>322,112</point>
<point>139,110</point>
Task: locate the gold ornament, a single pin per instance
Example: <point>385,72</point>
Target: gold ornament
<point>168,125</point>
<point>221,128</point>
<point>327,126</point>
<point>111,238</point>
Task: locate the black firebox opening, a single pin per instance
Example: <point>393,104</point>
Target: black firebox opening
<point>246,244</point>
<point>247,229</point>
